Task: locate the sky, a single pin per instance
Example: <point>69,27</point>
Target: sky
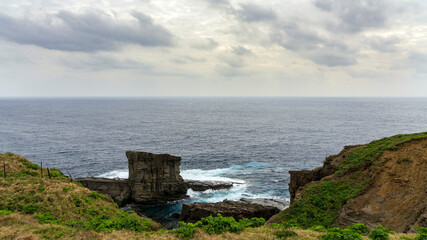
<point>110,48</point>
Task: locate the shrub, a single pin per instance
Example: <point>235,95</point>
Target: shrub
<point>46,218</point>
<point>219,224</point>
<point>66,189</point>
<point>5,212</point>
<point>422,233</point>
<point>30,165</point>
<point>185,230</point>
<point>285,234</point>
<point>359,228</point>
<point>29,173</point>
<point>29,208</point>
<point>379,233</point>
<point>319,228</point>
<point>341,234</point>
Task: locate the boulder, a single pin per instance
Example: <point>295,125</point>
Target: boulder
<point>277,203</point>
<point>237,209</point>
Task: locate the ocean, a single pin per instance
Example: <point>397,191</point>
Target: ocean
<point>252,141</point>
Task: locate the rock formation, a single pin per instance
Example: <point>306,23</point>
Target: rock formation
<point>391,173</point>
<point>238,209</point>
<point>118,190</point>
<point>201,186</point>
<point>153,179</point>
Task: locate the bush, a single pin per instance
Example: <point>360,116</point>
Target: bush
<point>5,212</point>
<point>185,230</point>
<point>126,220</point>
<point>30,165</point>
<point>319,228</point>
<point>379,233</point>
<point>341,234</point>
<point>422,233</point>
<point>219,224</point>
<point>29,208</point>
<point>46,218</point>
<point>359,228</point>
<point>285,234</point>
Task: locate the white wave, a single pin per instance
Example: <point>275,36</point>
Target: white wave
<point>209,175</point>
<point>122,173</point>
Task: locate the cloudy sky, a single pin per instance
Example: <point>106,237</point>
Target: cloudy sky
<point>213,48</point>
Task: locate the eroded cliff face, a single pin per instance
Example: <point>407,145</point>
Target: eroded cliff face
<point>155,178</point>
<point>394,192</point>
<point>396,196</point>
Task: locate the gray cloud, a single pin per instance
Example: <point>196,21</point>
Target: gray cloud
<point>242,51</point>
<point>254,13</point>
<point>88,32</point>
<point>384,44</point>
<point>187,59</point>
<point>332,59</point>
<point>233,61</point>
<point>355,16</point>
<point>99,63</point>
<point>207,44</point>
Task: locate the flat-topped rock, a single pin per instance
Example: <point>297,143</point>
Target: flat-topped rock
<point>272,202</point>
<point>201,186</point>
<point>155,178</point>
<point>237,209</point>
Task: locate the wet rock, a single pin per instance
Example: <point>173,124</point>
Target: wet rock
<point>277,203</point>
<point>201,186</point>
<point>237,209</point>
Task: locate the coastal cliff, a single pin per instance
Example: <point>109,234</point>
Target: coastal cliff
<point>153,179</point>
<point>383,182</point>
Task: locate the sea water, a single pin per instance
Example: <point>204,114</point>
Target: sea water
<point>252,142</point>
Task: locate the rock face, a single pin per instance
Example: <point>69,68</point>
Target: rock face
<point>155,178</point>
<point>237,209</point>
<point>201,186</point>
<point>118,190</point>
<point>394,195</point>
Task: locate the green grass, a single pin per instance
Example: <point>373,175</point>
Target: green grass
<point>57,200</point>
<point>369,153</point>
<point>320,201</point>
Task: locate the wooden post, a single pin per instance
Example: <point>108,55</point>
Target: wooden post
<point>48,173</point>
<point>41,169</point>
<point>71,177</point>
<point>4,170</point>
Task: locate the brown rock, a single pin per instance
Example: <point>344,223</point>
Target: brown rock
<point>155,178</point>
<point>118,190</point>
<point>236,209</point>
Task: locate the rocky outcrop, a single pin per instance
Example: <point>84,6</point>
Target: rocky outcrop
<point>396,195</point>
<point>387,180</point>
<point>118,190</point>
<point>237,209</point>
<point>155,178</point>
<point>277,203</point>
<point>298,179</point>
<point>200,186</point>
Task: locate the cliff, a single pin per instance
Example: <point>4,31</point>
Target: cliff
<point>383,182</point>
<point>153,179</point>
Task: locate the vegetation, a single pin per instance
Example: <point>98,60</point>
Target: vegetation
<point>320,201</point>
<point>60,201</point>
<point>217,225</point>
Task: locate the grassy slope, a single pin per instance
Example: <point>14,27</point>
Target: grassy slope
<point>321,201</point>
